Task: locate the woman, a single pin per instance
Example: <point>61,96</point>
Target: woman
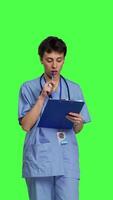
<point>50,165</point>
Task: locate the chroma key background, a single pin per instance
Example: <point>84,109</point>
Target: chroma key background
<point>86,27</point>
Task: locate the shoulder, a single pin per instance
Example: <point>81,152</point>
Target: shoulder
<point>75,90</point>
<point>31,87</point>
<point>72,84</point>
<point>31,84</point>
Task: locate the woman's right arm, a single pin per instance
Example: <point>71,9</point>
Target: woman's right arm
<point>32,116</point>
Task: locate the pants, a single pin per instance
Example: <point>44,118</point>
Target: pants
<point>53,188</point>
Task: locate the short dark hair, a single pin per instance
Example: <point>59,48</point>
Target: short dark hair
<point>50,44</point>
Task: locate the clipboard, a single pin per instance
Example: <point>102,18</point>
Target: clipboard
<point>55,111</point>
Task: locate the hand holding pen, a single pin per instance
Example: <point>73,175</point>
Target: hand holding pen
<point>48,87</point>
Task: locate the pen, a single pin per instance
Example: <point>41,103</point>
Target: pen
<point>52,76</point>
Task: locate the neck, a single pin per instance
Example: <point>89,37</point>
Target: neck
<point>48,77</point>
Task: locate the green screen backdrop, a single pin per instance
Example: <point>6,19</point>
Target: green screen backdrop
<point>86,27</point>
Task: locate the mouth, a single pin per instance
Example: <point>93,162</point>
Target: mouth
<point>54,72</point>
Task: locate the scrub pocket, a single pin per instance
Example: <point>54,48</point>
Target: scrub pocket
<point>41,152</point>
<point>70,152</point>
<point>37,159</point>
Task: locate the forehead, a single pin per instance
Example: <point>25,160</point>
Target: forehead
<point>53,54</point>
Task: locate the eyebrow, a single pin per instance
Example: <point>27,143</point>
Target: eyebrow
<point>52,58</point>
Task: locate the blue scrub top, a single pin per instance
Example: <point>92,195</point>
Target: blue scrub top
<point>42,153</point>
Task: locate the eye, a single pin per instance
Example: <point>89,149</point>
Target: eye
<point>59,60</point>
<point>49,60</point>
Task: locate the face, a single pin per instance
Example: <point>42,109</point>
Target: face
<point>53,63</point>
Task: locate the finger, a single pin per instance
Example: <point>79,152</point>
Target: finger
<point>52,83</point>
<point>74,122</point>
<point>70,119</point>
<point>74,114</point>
<point>49,90</point>
<point>48,87</point>
<point>75,118</point>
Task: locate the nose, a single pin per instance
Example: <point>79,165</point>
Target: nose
<point>54,65</point>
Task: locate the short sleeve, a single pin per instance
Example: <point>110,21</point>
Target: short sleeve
<point>84,112</point>
<point>24,102</point>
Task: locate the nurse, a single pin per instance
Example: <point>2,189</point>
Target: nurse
<point>50,156</point>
